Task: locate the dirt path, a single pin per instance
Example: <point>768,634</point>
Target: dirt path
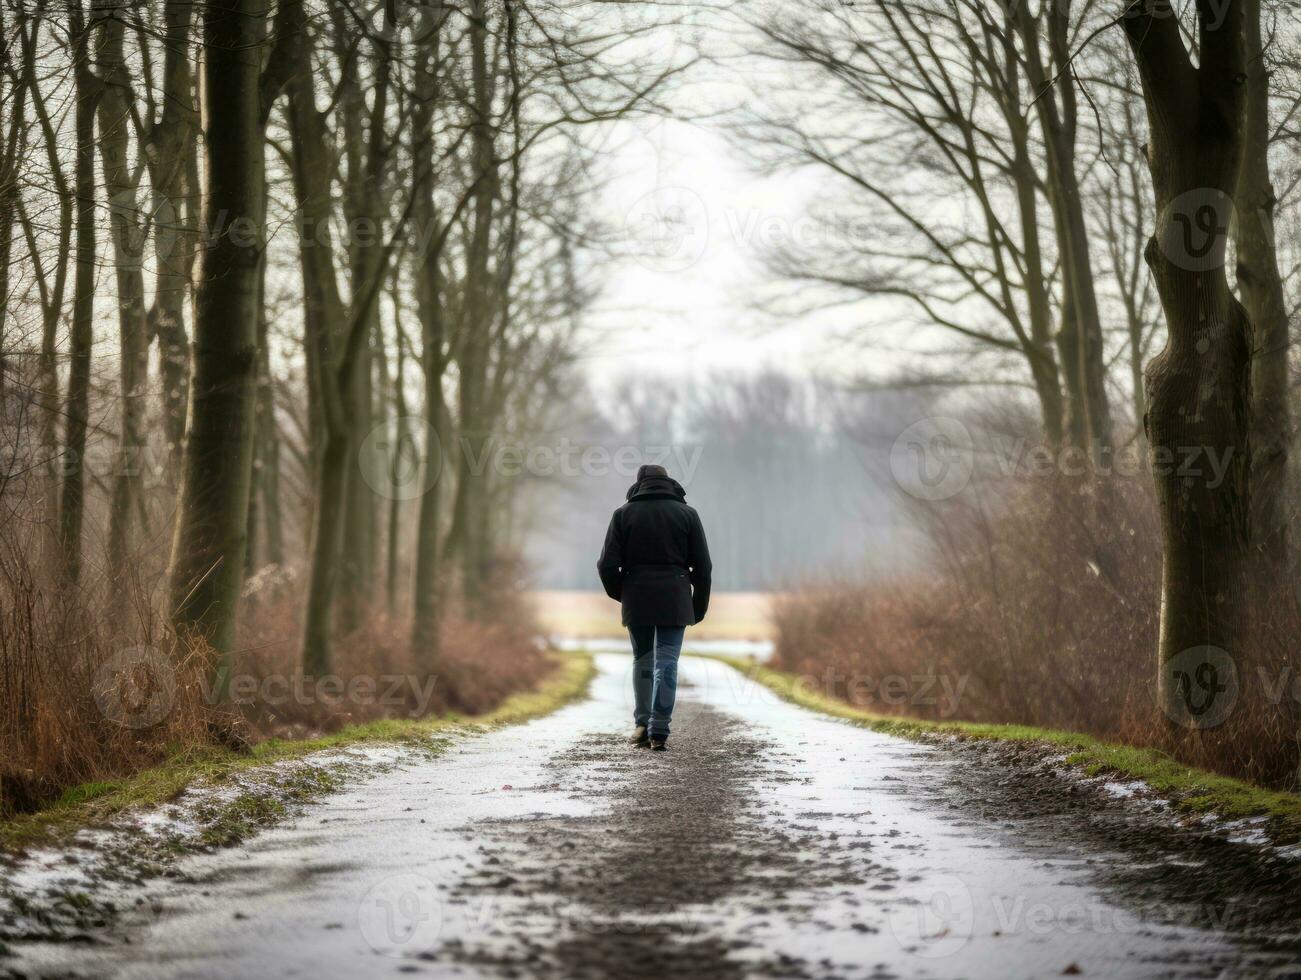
<point>769,842</point>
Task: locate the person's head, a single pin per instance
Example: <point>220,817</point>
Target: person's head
<point>651,469</point>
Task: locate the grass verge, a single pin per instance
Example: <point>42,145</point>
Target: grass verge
<point>92,803</point>
<point>1193,792</point>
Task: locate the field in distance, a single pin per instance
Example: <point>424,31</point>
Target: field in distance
<point>572,613</point>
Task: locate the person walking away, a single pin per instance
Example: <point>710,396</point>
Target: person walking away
<point>655,564</point>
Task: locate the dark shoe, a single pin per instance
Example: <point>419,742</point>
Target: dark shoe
<point>640,737</point>
<point>659,744</point>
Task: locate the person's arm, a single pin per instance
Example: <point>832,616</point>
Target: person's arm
<point>701,567</point>
<point>610,565</point>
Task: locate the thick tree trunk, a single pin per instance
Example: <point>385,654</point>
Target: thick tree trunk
<point>357,555</point>
<point>1197,391</point>
<point>331,495</point>
<point>1261,287</point>
<point>473,435</point>
<point>1198,387</point>
<point>77,406</point>
<point>211,526</point>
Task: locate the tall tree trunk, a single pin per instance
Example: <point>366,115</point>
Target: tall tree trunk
<point>53,287</point>
<point>401,439</point>
<point>172,169</point>
<point>474,340</point>
<point>1043,365</point>
<point>1198,387</point>
<point>429,310</point>
<point>1125,211</point>
<point>77,406</point>
<point>367,152</point>
<point>251,556</point>
<point>211,525</point>
<point>1080,345</point>
<point>357,552</point>
<point>325,319</point>
<point>268,439</point>
<point>125,227</point>
<point>1261,287</point>
<point>14,146</point>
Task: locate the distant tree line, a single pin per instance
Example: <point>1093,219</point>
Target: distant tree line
<point>786,472</point>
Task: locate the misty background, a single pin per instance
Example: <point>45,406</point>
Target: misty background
<point>791,477</point>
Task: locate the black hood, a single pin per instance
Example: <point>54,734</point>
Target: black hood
<point>657,488</point>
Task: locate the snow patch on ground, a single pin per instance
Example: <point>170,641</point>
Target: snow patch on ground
<point>60,892</point>
<point>1125,790</point>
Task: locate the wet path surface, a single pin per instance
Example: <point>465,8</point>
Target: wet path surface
<point>769,842</point>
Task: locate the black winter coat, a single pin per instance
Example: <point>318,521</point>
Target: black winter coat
<point>655,561</point>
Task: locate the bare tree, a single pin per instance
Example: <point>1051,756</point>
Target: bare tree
<point>1122,200</point>
<point>1057,106</point>
<point>931,78</point>
<point>122,178</point>
<point>211,525</point>
<point>168,138</point>
<point>1261,286</point>
<point>1199,386</point>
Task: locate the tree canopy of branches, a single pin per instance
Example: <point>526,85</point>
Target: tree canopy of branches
<point>349,238</point>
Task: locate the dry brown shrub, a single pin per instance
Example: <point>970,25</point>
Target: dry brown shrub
<point>1039,601</point>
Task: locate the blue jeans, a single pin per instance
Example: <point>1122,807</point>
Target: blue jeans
<point>655,651</point>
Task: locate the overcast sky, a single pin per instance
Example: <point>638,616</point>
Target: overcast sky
<point>699,218</point>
